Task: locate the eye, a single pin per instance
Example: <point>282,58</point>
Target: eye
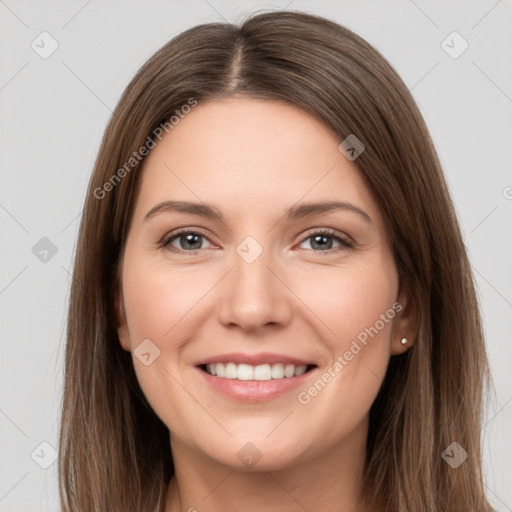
<point>322,241</point>
<point>188,241</point>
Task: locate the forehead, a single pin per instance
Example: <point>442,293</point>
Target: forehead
<point>247,155</point>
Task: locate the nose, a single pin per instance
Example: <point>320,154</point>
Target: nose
<point>254,295</point>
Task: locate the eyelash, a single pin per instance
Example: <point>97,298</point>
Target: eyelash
<point>345,242</point>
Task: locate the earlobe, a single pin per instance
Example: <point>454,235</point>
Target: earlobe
<point>406,323</point>
<point>121,323</point>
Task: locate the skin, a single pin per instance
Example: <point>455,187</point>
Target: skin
<point>253,159</point>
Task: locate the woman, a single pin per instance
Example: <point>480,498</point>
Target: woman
<point>272,307</point>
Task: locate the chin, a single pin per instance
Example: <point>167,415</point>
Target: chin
<point>258,454</point>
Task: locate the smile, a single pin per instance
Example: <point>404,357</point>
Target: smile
<point>260,372</point>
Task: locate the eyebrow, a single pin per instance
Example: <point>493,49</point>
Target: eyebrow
<point>298,211</point>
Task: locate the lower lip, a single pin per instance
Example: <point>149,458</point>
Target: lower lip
<point>254,390</point>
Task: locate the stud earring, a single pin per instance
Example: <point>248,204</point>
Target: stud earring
<point>403,341</point>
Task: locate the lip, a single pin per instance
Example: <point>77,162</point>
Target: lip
<point>253,359</point>
<point>253,391</point>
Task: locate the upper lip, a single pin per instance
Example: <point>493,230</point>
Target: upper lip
<point>253,359</point>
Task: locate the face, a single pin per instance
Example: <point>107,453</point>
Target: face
<point>233,285</point>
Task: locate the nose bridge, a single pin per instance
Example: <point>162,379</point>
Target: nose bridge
<point>254,296</point>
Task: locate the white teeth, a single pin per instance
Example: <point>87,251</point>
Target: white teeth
<point>230,371</point>
<point>300,370</point>
<point>277,371</point>
<point>260,372</point>
<point>220,370</point>
<point>245,372</point>
<point>289,370</point>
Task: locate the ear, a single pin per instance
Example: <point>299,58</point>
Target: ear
<point>121,322</point>
<point>406,322</point>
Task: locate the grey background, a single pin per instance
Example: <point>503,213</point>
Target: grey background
<point>54,111</point>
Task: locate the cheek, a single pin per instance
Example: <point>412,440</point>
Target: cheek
<point>350,301</point>
<point>158,300</point>
<point>356,306</point>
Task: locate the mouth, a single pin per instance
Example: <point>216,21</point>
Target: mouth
<point>262,372</point>
<point>254,378</point>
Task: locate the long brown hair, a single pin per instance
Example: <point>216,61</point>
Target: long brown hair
<point>114,451</point>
